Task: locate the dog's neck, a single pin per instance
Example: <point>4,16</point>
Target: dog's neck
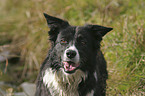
<point>61,83</point>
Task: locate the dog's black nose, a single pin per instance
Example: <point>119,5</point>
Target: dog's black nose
<point>71,53</point>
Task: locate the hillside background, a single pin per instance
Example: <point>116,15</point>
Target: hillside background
<point>24,39</point>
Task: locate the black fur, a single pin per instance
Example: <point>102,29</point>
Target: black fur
<point>87,40</point>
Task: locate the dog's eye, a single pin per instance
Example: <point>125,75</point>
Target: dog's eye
<point>63,41</point>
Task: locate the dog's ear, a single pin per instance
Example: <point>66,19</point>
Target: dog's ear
<point>99,30</point>
<point>55,25</point>
<point>54,22</point>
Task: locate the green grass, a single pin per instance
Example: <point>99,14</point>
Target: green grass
<point>24,29</point>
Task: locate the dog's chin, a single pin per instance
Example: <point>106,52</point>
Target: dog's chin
<point>70,67</point>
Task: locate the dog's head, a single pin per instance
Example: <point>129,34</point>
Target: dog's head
<point>75,46</point>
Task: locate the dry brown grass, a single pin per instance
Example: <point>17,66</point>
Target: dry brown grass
<point>24,29</point>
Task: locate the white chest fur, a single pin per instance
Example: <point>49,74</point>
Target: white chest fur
<point>61,84</point>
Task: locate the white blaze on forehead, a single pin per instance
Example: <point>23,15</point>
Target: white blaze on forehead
<point>76,58</point>
<point>73,47</point>
<point>91,93</point>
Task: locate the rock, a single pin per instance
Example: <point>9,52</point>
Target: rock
<point>28,88</point>
<point>4,55</point>
<point>9,90</point>
<point>5,89</point>
<point>1,82</point>
<point>20,94</point>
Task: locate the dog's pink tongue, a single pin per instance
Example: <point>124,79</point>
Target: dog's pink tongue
<point>69,67</point>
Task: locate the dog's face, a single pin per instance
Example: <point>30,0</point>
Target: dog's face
<point>74,45</point>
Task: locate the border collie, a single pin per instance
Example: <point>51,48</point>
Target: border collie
<point>74,65</point>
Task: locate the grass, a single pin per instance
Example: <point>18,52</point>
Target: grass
<point>24,29</point>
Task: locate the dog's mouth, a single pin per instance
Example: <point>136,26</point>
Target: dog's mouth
<point>70,67</point>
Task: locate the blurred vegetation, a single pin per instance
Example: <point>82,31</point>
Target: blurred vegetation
<point>23,30</point>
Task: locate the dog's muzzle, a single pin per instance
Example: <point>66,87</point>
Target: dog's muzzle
<point>71,60</point>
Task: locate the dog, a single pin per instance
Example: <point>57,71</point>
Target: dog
<point>74,65</point>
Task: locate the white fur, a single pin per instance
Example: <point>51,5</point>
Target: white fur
<point>95,75</point>
<point>91,93</point>
<point>76,58</point>
<point>61,84</point>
